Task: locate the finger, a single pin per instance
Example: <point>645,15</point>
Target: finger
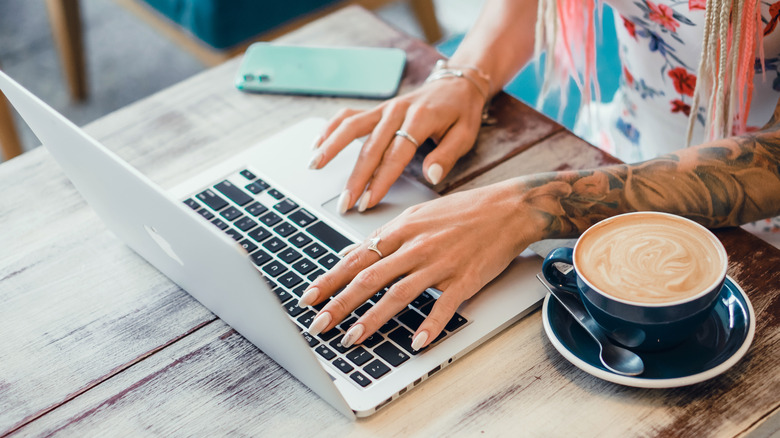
<point>456,142</point>
<point>370,157</point>
<point>443,310</point>
<point>394,160</point>
<point>363,286</point>
<point>396,299</point>
<point>352,127</point>
<point>333,124</point>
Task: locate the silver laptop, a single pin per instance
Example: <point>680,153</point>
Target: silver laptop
<point>245,238</point>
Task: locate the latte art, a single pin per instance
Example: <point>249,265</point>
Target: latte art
<point>649,259</point>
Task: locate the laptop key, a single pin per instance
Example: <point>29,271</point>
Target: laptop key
<point>347,323</point>
<point>231,213</point>
<point>285,229</point>
<point>285,206</point>
<point>321,305</point>
<point>234,193</point>
<point>315,250</point>
<point>327,235</point>
<point>256,209</point>
<point>328,261</point>
<point>191,203</point>
<point>300,240</point>
<point>274,268</point>
<point>325,352</point>
<point>423,299</point>
<point>359,356</point>
<point>289,255</point>
<point>376,369</point>
<point>360,379</point>
<point>259,234</point>
<point>313,276</point>
<point>426,309</point>
<point>411,319</point>
<point>213,200</point>
<point>260,257</point>
<point>330,334</point>
<point>234,234</point>
<point>310,339</point>
<point>248,175</point>
<point>343,366</point>
<point>360,311</point>
<point>245,224</point>
<point>257,186</point>
<point>303,218</point>
<point>336,345</point>
<point>289,279</point>
<point>276,194</point>
<point>274,245</point>
<point>205,213</point>
<point>282,294</point>
<point>293,309</point>
<point>403,338</point>
<point>248,245</point>
<point>300,289</point>
<point>389,325</point>
<point>391,354</point>
<point>270,219</point>
<point>455,323</point>
<point>304,266</point>
<point>373,340</point>
<point>307,318</point>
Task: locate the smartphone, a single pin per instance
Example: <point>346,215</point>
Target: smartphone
<point>365,72</point>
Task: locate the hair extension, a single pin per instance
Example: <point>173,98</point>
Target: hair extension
<point>731,32</point>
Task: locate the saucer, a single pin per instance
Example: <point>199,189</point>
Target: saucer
<point>717,345</point>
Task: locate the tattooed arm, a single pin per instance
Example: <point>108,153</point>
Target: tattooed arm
<point>460,242</point>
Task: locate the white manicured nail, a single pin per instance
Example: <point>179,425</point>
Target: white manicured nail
<point>320,322</point>
<point>315,160</point>
<point>364,201</point>
<point>434,173</point>
<point>419,340</point>
<point>347,249</point>
<point>316,143</point>
<point>309,297</point>
<point>352,335</point>
<point>344,201</point>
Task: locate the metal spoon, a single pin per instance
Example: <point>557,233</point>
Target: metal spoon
<point>614,358</point>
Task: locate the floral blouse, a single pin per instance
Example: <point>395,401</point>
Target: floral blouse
<point>660,45</point>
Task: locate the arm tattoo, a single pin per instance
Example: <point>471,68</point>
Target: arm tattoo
<point>724,183</point>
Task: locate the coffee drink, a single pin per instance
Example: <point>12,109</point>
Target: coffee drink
<point>650,258</point>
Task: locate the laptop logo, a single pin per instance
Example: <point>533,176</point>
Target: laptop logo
<point>163,244</point>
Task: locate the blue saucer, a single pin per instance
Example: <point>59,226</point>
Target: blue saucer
<point>718,344</point>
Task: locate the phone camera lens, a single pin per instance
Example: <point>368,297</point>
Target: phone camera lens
<point>249,77</point>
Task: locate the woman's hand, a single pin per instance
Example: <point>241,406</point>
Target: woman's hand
<point>448,111</point>
<point>450,243</point>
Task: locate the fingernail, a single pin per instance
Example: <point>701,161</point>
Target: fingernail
<point>316,143</point>
<point>352,335</point>
<point>418,340</point>
<point>434,173</point>
<point>315,160</point>
<point>309,297</point>
<point>320,322</point>
<point>344,201</point>
<point>347,249</point>
<point>364,201</point>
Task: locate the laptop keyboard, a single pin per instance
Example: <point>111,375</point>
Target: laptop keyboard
<point>292,247</point>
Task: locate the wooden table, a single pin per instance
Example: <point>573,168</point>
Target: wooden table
<point>97,342</point>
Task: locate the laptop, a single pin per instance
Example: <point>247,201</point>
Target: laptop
<point>246,236</point>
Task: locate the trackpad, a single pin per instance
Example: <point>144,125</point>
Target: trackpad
<point>403,194</point>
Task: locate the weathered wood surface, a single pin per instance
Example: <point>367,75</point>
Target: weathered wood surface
<point>95,340</point>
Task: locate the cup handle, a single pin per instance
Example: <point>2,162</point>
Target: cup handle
<point>568,281</point>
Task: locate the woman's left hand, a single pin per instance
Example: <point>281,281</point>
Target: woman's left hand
<point>456,244</point>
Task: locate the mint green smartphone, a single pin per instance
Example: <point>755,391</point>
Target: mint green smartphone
<point>323,71</point>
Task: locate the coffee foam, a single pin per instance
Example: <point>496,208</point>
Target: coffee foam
<point>649,258</point>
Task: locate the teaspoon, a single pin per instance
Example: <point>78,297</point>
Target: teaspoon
<point>616,359</point>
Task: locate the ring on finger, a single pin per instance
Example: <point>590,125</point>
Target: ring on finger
<point>406,135</point>
<point>372,243</point>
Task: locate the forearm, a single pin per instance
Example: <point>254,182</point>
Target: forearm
<point>501,41</point>
<point>723,183</point>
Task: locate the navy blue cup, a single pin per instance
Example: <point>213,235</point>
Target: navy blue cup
<point>642,326</point>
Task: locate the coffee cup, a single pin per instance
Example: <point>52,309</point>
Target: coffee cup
<point>648,279</point>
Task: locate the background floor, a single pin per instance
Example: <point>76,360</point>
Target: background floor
<point>128,60</point>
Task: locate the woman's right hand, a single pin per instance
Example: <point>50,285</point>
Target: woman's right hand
<point>448,111</point>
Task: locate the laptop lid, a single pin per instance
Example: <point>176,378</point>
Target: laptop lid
<point>161,231</point>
